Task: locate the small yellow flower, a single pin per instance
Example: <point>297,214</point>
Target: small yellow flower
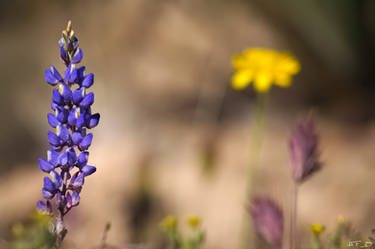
<point>169,223</point>
<point>193,221</point>
<point>317,228</point>
<point>340,219</point>
<point>263,67</point>
<point>41,219</point>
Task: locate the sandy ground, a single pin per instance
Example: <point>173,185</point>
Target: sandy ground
<point>343,187</point>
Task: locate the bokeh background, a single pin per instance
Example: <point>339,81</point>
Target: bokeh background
<point>174,137</point>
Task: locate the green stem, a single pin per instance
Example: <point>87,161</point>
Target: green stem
<point>293,217</point>
<point>254,156</point>
<point>59,239</point>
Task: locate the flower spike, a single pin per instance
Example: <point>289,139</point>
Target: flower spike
<point>71,118</point>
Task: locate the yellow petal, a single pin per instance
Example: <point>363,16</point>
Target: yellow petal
<point>169,223</point>
<point>340,219</point>
<point>242,79</point>
<point>283,79</point>
<point>263,81</point>
<point>239,61</point>
<point>260,58</point>
<point>288,64</point>
<point>317,228</point>
<point>193,221</point>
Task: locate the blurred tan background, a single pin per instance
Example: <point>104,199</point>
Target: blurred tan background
<point>174,137</point>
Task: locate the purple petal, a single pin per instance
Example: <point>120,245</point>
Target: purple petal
<point>47,194</point>
<point>73,115</point>
<point>57,148</point>
<point>52,120</point>
<point>56,73</point>
<point>94,120</point>
<point>63,133</point>
<point>52,157</point>
<point>56,179</point>
<point>49,185</point>
<point>88,81</point>
<point>49,78</point>
<point>87,116</point>
<point>72,157</point>
<point>57,98</point>
<point>78,182</point>
<point>88,100</point>
<point>62,115</point>
<point>82,159</point>
<point>80,121</point>
<point>45,166</point>
<point>77,57</point>
<point>65,91</point>
<point>44,208</point>
<point>53,105</point>
<point>80,74</point>
<point>60,200</point>
<point>52,76</point>
<point>64,55</point>
<point>74,177</point>
<point>61,42</point>
<point>86,142</point>
<point>53,139</point>
<point>73,75</point>
<point>68,200</point>
<point>75,198</point>
<point>75,42</point>
<point>67,72</point>
<point>78,95</point>
<point>88,170</point>
<point>64,159</point>
<point>76,137</point>
<point>41,206</point>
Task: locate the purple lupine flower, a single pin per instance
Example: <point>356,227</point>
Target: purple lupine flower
<point>268,221</point>
<point>303,150</point>
<point>71,118</point>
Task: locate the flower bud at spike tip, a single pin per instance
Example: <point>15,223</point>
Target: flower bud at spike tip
<point>71,117</point>
<point>69,27</point>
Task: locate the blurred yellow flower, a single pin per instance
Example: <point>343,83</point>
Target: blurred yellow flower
<point>193,221</point>
<point>263,67</point>
<point>317,228</point>
<point>40,218</point>
<point>340,219</point>
<point>169,223</point>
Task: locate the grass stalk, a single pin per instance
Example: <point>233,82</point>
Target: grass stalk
<point>254,156</point>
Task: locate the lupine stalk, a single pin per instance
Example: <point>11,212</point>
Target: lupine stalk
<point>67,157</point>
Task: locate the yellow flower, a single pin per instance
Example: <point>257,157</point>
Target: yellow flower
<point>340,219</point>
<point>169,223</point>
<point>317,229</point>
<point>41,219</point>
<point>263,67</point>
<point>193,221</point>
